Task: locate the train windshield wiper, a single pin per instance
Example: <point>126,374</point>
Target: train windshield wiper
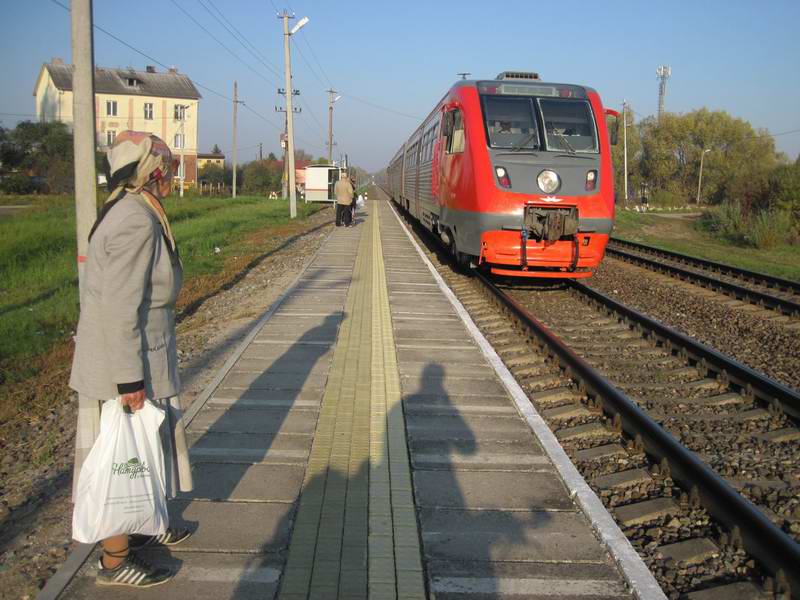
<point>525,140</point>
<point>562,138</point>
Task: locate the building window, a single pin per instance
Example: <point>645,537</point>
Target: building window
<point>132,82</point>
<point>111,108</point>
<point>180,112</point>
<point>180,140</point>
<point>148,111</point>
<point>110,136</point>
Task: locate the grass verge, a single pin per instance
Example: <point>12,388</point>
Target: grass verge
<point>679,233</point>
<point>217,237</point>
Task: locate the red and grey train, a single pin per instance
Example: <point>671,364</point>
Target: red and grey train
<point>514,174</point>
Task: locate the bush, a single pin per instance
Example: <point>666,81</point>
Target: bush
<point>666,199</point>
<point>17,183</point>
<point>770,228</point>
<point>726,221</point>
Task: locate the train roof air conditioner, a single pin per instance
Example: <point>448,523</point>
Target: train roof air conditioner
<point>518,75</point>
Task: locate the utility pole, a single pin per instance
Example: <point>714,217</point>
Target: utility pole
<point>331,101</point>
<point>289,112</point>
<point>284,144</point>
<point>663,72</point>
<point>625,146</point>
<point>260,150</point>
<point>84,139</point>
<point>236,103</point>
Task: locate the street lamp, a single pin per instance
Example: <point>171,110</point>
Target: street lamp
<point>700,178</point>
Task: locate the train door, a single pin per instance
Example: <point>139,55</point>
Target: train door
<point>452,155</point>
<point>416,199</point>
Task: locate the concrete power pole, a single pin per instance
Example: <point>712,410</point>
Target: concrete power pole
<point>84,140</point>
<point>625,147</point>
<point>260,150</point>
<point>287,61</point>
<point>331,100</point>
<point>663,72</point>
<point>182,148</point>
<point>235,113</point>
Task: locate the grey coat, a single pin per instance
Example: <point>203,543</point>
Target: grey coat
<point>126,331</point>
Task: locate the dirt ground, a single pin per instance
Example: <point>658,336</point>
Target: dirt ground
<point>36,454</point>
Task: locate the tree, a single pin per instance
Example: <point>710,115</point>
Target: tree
<point>784,189</point>
<point>634,158</point>
<point>42,150</point>
<point>216,150</point>
<point>736,168</point>
<point>272,156</point>
<point>211,173</point>
<point>262,176</point>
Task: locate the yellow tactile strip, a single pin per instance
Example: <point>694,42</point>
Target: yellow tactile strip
<point>395,567</point>
<point>355,533</point>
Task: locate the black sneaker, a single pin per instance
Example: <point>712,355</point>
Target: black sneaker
<point>171,537</point>
<point>133,572</point>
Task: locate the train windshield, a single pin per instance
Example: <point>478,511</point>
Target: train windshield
<point>568,125</point>
<point>510,122</point>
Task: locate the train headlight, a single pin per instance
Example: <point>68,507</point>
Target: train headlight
<point>548,181</point>
<point>591,181</point>
<point>502,177</point>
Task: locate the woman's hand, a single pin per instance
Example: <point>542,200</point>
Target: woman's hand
<point>134,400</point>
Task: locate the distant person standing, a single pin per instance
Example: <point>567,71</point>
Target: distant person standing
<point>343,190</point>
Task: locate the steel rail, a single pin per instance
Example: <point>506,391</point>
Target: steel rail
<point>752,276</point>
<point>749,380</point>
<point>778,552</point>
<point>788,307</point>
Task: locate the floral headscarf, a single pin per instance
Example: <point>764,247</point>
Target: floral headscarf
<point>135,160</point>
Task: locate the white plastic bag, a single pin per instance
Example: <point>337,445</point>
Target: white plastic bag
<point>121,488</point>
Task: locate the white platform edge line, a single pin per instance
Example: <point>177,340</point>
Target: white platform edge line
<point>200,401</point>
<point>641,580</point>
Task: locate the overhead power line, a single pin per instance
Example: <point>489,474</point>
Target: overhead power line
<point>239,37</point>
<point>147,56</point>
<point>216,39</point>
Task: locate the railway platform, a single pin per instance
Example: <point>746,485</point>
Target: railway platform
<point>365,442</point>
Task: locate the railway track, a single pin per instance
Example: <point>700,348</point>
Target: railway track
<point>765,291</point>
<point>611,384</point>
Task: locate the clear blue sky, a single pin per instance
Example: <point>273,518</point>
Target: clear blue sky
<point>738,56</point>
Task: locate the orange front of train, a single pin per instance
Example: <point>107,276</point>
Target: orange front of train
<point>523,177</point>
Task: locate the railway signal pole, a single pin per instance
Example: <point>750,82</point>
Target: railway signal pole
<point>84,140</point>
<point>289,112</point>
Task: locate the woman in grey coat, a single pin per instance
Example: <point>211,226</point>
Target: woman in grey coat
<point>125,343</point>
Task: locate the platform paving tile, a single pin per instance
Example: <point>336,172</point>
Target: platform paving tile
<point>421,368</point>
<point>255,421</point>
<point>441,404</point>
<point>253,364</point>
<point>269,380</point>
<point>440,355</point>
<point>457,580</point>
<point>499,455</point>
<point>490,536</point>
<point>199,576</point>
<point>304,397</point>
<point>246,482</point>
<point>455,384</point>
<point>234,527</point>
<point>249,448</point>
<point>468,427</point>
<point>491,490</point>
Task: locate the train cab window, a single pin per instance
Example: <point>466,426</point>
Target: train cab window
<point>510,122</point>
<point>568,125</point>
<point>454,130</point>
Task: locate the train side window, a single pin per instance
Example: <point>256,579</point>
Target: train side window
<point>455,128</point>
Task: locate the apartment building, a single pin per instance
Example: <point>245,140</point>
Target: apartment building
<point>164,103</point>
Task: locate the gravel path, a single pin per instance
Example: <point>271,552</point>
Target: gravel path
<point>742,331</point>
<point>35,507</point>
